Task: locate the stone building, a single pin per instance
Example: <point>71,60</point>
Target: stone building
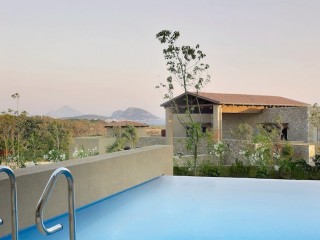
<point>224,112</point>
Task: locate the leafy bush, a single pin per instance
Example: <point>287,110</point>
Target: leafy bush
<point>296,170</point>
<point>208,170</point>
<point>117,146</point>
<point>25,138</point>
<point>262,172</point>
<point>182,171</point>
<point>220,150</point>
<point>126,139</point>
<point>287,151</point>
<point>316,160</point>
<point>285,169</point>
<point>238,169</point>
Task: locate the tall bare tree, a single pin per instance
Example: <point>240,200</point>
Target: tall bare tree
<point>188,73</point>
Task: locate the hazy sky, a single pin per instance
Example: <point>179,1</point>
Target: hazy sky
<point>102,56</point>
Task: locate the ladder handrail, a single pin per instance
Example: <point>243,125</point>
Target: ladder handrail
<point>45,196</point>
<point>14,208</point>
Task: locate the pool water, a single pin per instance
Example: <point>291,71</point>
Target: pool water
<point>200,208</point>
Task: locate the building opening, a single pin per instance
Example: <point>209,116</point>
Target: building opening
<point>284,131</point>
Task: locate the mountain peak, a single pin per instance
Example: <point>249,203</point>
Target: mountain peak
<point>135,114</point>
<point>64,112</point>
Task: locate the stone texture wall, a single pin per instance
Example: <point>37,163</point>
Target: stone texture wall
<point>149,141</point>
<point>178,129</point>
<point>317,146</point>
<point>305,151</point>
<point>187,160</point>
<point>297,117</point>
<point>179,144</point>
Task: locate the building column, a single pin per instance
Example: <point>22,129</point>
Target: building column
<point>217,122</point>
<point>169,126</point>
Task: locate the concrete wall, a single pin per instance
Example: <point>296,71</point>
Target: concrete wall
<point>89,143</point>
<point>95,178</point>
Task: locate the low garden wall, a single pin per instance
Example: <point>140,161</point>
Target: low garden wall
<point>179,144</point>
<point>98,144</point>
<point>95,178</point>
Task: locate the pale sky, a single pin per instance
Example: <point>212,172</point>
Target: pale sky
<point>99,56</point>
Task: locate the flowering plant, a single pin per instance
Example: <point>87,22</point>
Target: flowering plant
<point>83,153</point>
<point>55,155</point>
<point>220,150</point>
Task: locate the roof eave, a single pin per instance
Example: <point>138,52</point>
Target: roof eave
<point>192,94</point>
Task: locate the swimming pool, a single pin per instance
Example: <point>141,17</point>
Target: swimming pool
<point>199,208</point>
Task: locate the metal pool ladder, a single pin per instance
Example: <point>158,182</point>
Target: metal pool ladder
<point>14,209</point>
<point>45,196</point>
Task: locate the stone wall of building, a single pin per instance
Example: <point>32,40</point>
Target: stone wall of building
<point>297,117</point>
<point>179,130</point>
<point>179,144</point>
<point>305,151</point>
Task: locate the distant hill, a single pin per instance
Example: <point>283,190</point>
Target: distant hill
<point>139,115</point>
<point>63,112</point>
<point>135,114</point>
<point>89,117</point>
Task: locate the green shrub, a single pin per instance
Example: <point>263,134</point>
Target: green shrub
<point>296,170</point>
<point>262,172</point>
<point>285,170</point>
<point>126,139</point>
<point>316,160</point>
<point>208,170</point>
<point>288,170</point>
<point>301,169</point>
<point>238,169</point>
<point>182,171</point>
<point>287,151</point>
<point>118,145</point>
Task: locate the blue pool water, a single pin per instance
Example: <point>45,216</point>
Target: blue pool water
<point>200,208</point>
